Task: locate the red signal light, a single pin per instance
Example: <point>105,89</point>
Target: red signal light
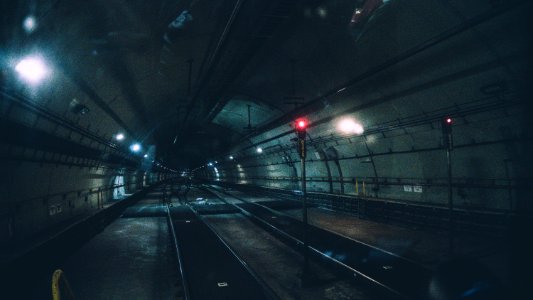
<point>301,124</point>
<point>449,120</point>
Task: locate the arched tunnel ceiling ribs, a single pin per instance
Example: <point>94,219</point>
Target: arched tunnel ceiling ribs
<point>318,102</point>
<point>165,71</point>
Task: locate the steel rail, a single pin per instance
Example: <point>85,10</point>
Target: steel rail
<point>271,294</point>
<point>393,292</point>
<point>186,292</point>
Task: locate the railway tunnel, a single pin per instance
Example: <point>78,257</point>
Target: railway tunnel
<point>253,149</point>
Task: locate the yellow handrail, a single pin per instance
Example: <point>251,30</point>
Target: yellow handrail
<point>60,286</point>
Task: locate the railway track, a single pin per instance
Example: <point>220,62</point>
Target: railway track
<point>209,268</point>
<point>393,276</point>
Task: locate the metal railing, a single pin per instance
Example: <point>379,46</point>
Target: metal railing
<point>490,222</point>
<point>498,183</point>
<point>60,287</point>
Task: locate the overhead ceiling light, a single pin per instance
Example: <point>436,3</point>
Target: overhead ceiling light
<point>29,24</point>
<point>135,147</point>
<point>358,129</point>
<point>349,126</point>
<point>146,156</point>
<point>259,150</point>
<point>231,157</point>
<point>119,137</point>
<point>32,69</point>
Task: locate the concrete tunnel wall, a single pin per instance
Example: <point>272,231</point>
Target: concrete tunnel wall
<point>486,160</point>
<point>44,195</point>
<point>57,166</point>
<point>484,163</point>
<point>475,77</point>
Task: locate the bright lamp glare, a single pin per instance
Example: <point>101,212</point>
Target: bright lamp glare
<point>135,147</point>
<point>32,69</point>
<point>350,126</point>
<point>301,124</point>
<point>29,24</point>
<point>119,137</point>
<point>231,157</point>
<point>358,129</point>
<point>259,150</point>
<point>146,156</point>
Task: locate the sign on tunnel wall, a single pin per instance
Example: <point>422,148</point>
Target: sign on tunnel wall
<point>412,188</point>
<point>55,209</point>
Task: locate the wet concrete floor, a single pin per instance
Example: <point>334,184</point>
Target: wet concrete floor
<point>131,259</point>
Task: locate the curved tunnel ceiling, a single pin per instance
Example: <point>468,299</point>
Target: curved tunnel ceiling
<point>173,73</point>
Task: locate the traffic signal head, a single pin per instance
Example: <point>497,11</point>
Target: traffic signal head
<point>301,124</point>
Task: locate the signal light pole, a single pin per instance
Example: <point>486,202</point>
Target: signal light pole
<point>301,132</point>
<point>448,144</point>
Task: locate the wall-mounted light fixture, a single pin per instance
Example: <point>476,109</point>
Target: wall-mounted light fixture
<point>136,147</point>
<point>350,126</point>
<point>32,69</point>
